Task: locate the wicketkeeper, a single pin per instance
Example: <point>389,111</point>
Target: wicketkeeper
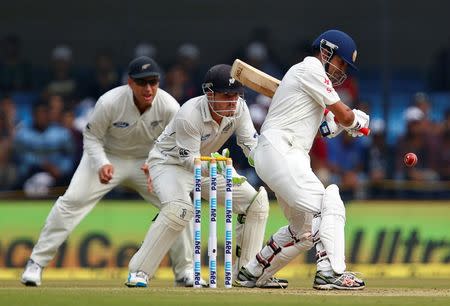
<point>123,127</point>
<point>200,128</point>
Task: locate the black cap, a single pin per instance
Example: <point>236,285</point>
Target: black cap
<point>218,79</point>
<point>142,67</point>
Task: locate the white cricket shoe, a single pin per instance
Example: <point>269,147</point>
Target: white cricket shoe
<point>137,279</point>
<point>32,275</point>
<point>188,281</point>
<point>248,280</point>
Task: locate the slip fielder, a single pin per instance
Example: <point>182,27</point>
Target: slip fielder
<point>123,127</point>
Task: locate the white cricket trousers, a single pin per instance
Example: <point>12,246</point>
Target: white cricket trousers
<point>83,193</point>
<point>286,169</point>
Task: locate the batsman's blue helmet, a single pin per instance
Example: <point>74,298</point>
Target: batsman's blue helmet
<point>340,44</point>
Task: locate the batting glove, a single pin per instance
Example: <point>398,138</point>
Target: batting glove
<point>361,120</point>
<point>329,128</point>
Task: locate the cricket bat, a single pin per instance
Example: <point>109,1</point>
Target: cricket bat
<point>254,78</point>
<point>261,82</point>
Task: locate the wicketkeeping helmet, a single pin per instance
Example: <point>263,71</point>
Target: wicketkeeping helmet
<point>219,80</point>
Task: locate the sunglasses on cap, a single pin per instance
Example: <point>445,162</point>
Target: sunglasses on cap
<point>144,82</point>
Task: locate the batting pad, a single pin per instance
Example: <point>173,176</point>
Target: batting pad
<point>250,233</point>
<point>172,219</point>
<point>331,230</point>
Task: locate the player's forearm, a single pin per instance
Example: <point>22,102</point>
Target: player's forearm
<point>94,148</point>
<point>343,113</point>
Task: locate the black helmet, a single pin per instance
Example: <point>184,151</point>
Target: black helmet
<point>218,79</point>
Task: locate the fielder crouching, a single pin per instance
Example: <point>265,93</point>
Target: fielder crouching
<point>200,128</point>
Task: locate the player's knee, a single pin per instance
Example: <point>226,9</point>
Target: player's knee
<point>70,203</point>
<point>177,214</point>
<point>332,203</point>
<point>259,205</point>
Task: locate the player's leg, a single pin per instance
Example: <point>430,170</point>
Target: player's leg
<point>172,185</point>
<point>286,244</point>
<point>286,170</point>
<point>289,174</point>
<point>252,208</point>
<point>328,236</point>
<point>84,191</point>
<point>182,251</point>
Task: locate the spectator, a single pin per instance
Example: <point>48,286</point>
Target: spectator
<point>145,49</point>
<point>106,75</point>
<point>55,109</point>
<point>44,148</point>
<point>68,122</point>
<point>15,72</point>
<point>378,160</point>
<point>443,154</point>
<point>62,77</point>
<point>346,160</point>
<point>8,172</point>
<point>257,55</point>
<point>418,140</point>
<point>185,74</point>
<point>179,84</point>
<point>188,57</point>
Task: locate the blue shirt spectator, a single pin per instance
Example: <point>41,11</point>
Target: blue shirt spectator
<point>44,148</point>
<point>346,161</point>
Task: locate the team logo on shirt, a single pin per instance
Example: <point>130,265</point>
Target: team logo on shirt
<point>227,127</point>
<point>183,152</point>
<point>183,213</point>
<point>121,124</point>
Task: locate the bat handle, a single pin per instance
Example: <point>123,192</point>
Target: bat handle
<point>365,130</point>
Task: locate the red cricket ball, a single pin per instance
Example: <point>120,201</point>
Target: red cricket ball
<point>410,159</point>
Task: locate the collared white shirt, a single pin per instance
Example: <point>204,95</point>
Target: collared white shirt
<point>117,127</point>
<point>298,104</point>
<point>193,133</point>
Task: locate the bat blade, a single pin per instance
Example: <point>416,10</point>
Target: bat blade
<point>254,78</point>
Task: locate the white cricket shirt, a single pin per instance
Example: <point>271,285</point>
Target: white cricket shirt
<point>117,127</point>
<point>298,104</point>
<point>193,133</point>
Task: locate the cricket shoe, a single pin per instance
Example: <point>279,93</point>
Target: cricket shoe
<point>188,281</point>
<point>137,279</point>
<point>248,280</point>
<point>344,281</point>
<point>32,274</point>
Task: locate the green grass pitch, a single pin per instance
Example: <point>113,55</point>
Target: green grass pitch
<point>113,292</point>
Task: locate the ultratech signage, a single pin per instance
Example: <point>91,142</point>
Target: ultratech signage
<point>109,236</point>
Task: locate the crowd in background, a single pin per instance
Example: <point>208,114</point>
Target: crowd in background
<point>44,110</point>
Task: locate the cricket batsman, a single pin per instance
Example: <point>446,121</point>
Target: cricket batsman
<point>316,214</point>
<point>123,127</point>
<point>200,128</point>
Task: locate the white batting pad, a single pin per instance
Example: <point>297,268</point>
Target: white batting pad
<point>171,220</point>
<point>331,230</point>
<point>250,233</point>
